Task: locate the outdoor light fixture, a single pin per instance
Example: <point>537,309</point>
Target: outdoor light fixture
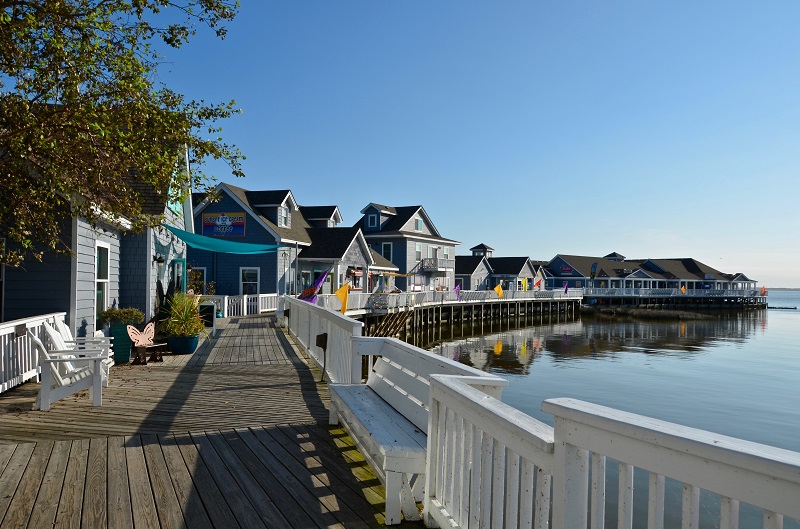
<point>159,259</point>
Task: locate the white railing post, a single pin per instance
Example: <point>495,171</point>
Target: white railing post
<point>571,480</point>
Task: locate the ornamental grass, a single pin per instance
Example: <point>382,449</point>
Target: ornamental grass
<point>184,316</point>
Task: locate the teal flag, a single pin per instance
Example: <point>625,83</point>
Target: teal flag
<point>201,242</point>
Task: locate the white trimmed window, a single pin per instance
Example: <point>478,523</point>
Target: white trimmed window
<point>417,224</point>
<point>372,220</point>
<point>446,252</point>
<point>101,275</point>
<point>284,219</point>
<point>386,250</point>
<point>418,251</point>
<point>249,281</point>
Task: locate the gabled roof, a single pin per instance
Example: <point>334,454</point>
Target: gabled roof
<point>382,263</point>
<point>508,265</point>
<point>482,246</point>
<point>270,198</point>
<point>330,243</point>
<point>321,213</point>
<point>296,233</point>
<point>668,269</point>
<point>394,226</point>
<point>614,256</point>
<point>467,264</point>
<point>388,210</point>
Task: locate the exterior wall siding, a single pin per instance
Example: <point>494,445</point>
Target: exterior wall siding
<point>39,287</point>
<point>224,269</point>
<point>85,288</point>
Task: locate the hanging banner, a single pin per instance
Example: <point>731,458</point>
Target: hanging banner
<point>224,224</point>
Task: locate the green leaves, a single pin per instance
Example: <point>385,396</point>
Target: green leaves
<point>79,108</point>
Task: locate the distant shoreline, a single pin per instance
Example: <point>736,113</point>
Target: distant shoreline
<point>784,289</point>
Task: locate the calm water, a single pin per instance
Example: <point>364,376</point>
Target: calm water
<point>738,375</point>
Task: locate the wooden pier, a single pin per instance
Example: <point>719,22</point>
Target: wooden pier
<point>234,435</point>
<point>426,325</point>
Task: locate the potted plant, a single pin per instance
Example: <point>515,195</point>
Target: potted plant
<point>183,325</point>
<point>118,320</point>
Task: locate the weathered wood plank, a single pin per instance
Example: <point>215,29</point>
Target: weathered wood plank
<point>211,496</point>
<point>167,506</point>
<point>43,513</point>
<point>236,497</point>
<point>120,510</point>
<point>70,508</point>
<point>142,501</point>
<point>21,507</point>
<point>187,495</point>
<point>272,514</point>
<point>285,488</point>
<point>12,475</point>
<point>298,462</point>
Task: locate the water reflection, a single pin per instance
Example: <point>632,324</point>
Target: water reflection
<point>512,351</point>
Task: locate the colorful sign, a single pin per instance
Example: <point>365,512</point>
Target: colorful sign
<point>224,224</point>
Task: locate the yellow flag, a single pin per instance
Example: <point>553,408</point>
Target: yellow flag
<point>683,289</point>
<point>525,285</point>
<point>499,290</point>
<point>498,347</point>
<point>342,293</point>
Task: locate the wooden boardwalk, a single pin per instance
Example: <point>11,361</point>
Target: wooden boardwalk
<point>234,435</point>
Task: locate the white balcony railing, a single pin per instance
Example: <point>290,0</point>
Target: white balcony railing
<point>670,293</point>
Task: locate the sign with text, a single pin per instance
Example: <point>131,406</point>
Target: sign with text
<point>224,224</point>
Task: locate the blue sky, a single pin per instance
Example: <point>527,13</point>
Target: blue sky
<point>653,129</point>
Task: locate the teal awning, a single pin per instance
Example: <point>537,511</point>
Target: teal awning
<point>212,244</point>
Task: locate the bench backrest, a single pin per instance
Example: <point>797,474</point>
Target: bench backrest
<point>401,376</point>
<point>60,374</point>
<point>64,330</point>
<point>59,344</point>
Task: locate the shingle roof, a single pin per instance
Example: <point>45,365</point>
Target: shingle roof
<point>329,243</point>
<point>382,262</point>
<point>151,199</point>
<point>394,225</point>
<point>482,246</point>
<point>508,265</point>
<point>671,268</point>
<point>318,212</point>
<point>467,264</point>
<point>299,227</point>
<point>267,198</point>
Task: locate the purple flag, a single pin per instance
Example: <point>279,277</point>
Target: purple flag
<point>457,290</point>
<point>310,294</point>
<point>566,287</point>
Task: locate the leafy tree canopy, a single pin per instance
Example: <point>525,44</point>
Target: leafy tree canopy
<point>84,125</point>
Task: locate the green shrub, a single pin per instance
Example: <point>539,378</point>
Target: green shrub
<point>126,316</point>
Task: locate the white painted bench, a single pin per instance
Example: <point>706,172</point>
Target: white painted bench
<point>388,416</point>
<point>63,374</point>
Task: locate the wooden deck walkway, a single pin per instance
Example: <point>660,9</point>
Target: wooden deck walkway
<point>234,435</point>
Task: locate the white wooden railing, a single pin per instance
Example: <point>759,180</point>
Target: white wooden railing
<point>231,306</point>
<point>484,456</point>
<point>306,321</point>
<point>490,465</point>
<point>18,360</point>
<point>358,301</point>
<point>670,293</point>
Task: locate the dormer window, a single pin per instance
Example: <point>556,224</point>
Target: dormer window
<point>417,224</point>
<point>372,220</point>
<point>284,219</point>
